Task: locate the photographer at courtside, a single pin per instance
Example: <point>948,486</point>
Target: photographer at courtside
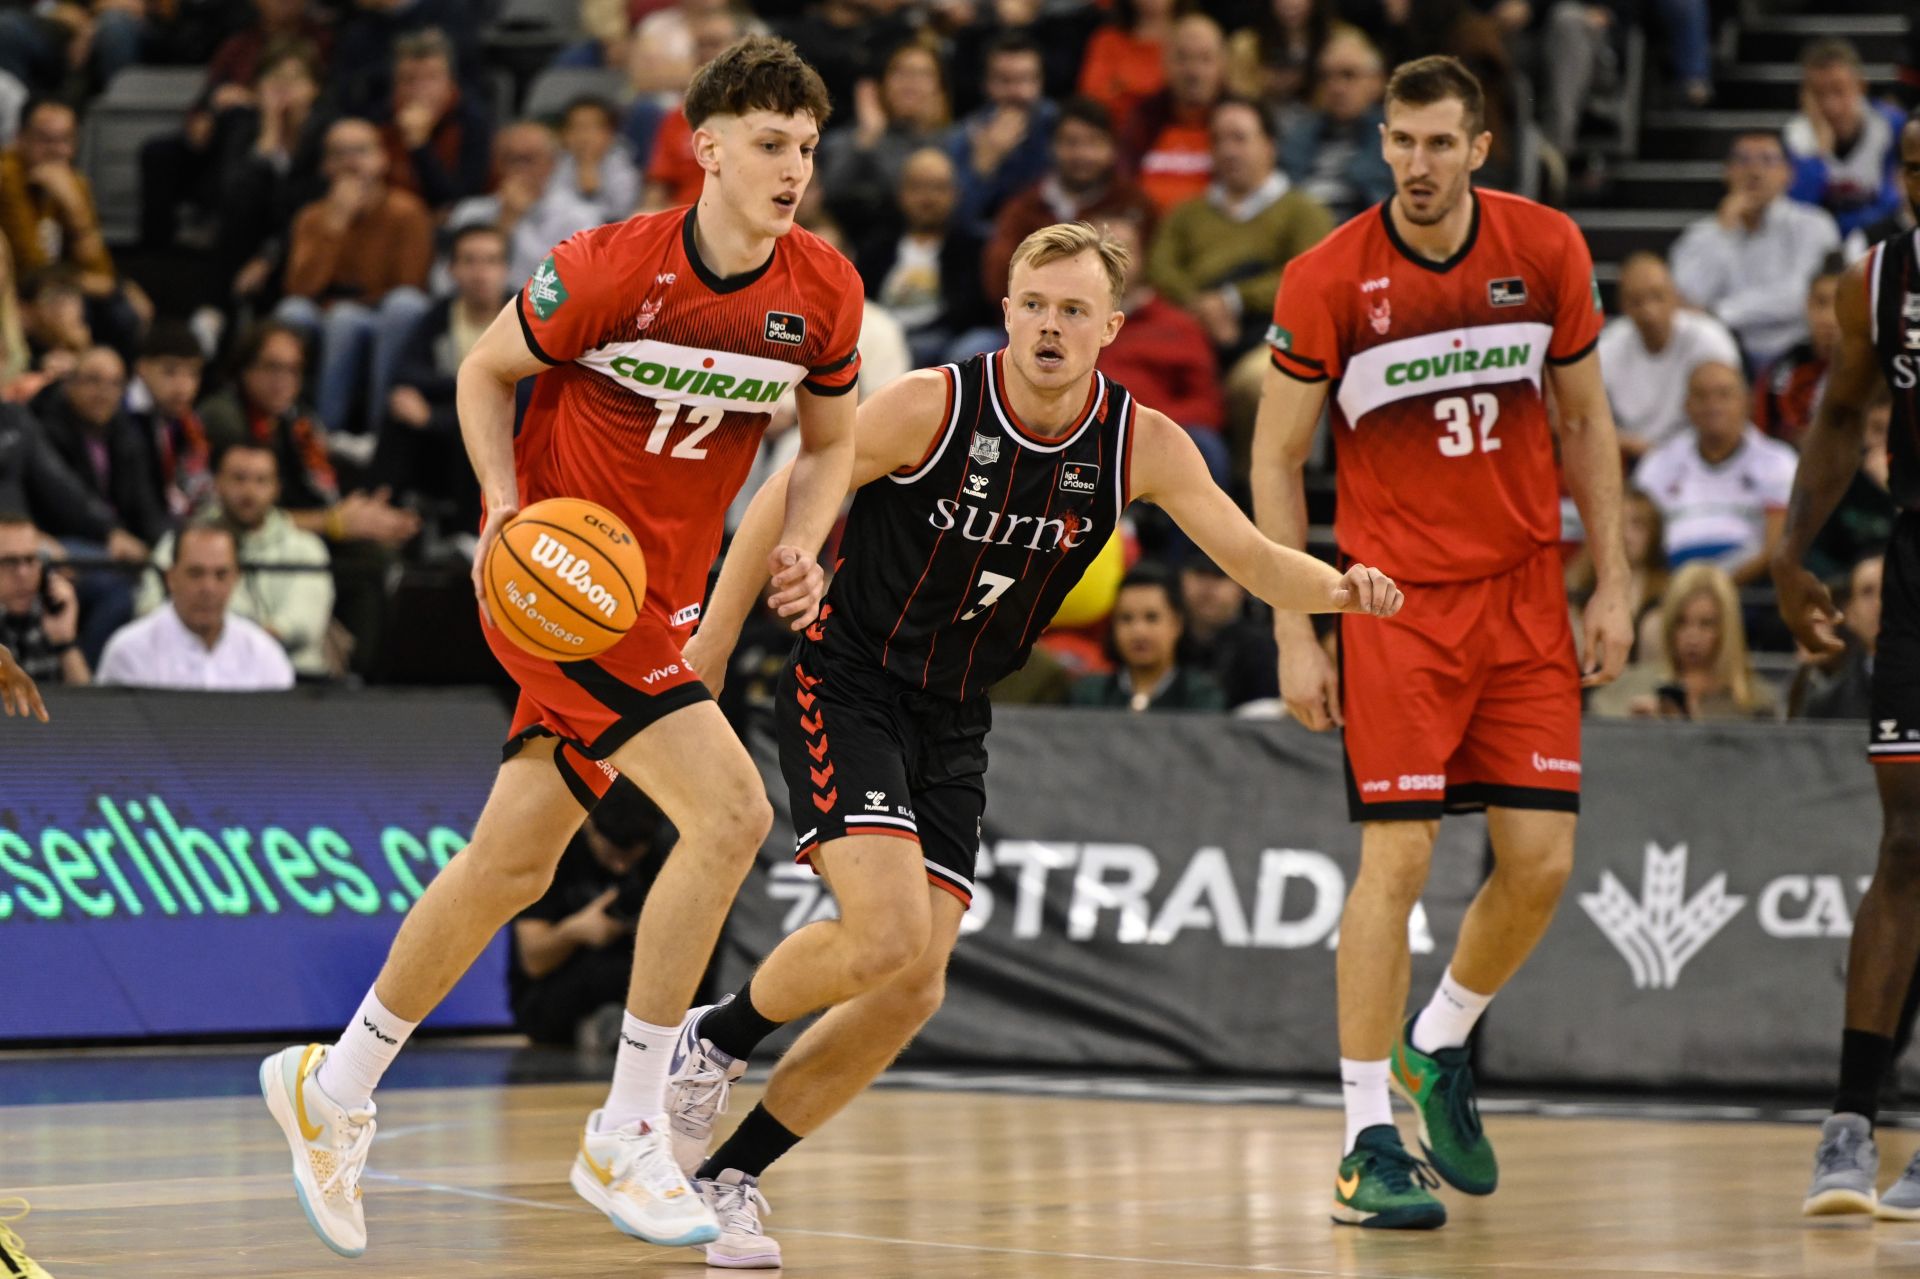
<point>573,949</point>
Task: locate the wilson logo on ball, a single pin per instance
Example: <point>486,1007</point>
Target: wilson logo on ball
<point>566,580</point>
<point>572,570</point>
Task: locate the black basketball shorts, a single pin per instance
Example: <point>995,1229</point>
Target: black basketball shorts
<point>1893,735</point>
<point>864,753</point>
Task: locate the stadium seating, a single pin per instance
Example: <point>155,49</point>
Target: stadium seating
<point>141,103</point>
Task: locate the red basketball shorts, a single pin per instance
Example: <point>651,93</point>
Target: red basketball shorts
<point>1469,698</point>
<point>596,706</point>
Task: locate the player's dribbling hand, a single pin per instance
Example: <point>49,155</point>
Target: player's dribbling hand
<point>498,513</point>
<point>1808,609</point>
<point>798,585</point>
<point>1367,590</point>
<point>18,693</point>
<point>1607,624</point>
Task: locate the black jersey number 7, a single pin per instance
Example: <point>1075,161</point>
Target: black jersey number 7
<point>994,585</point>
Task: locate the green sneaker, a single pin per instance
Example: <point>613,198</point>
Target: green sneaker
<point>1440,1090</point>
<point>1383,1187</point>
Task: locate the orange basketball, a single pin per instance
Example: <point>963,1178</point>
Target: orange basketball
<point>566,580</point>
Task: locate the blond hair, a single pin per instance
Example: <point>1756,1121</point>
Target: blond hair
<point>1069,240</point>
<point>1732,667</point>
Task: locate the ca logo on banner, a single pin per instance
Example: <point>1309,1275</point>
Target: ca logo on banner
<point>1659,933</point>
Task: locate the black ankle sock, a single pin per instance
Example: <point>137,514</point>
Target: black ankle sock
<point>735,1027</point>
<point>758,1141</point>
<point>1865,1059</point>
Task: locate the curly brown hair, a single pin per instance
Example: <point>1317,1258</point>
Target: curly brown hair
<point>758,73</point>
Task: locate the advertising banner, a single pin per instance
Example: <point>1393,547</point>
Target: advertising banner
<point>1155,892</point>
<point>194,863</point>
<point>1703,940</point>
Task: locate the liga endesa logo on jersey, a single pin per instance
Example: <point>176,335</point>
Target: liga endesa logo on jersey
<point>786,328</point>
<point>1080,477</point>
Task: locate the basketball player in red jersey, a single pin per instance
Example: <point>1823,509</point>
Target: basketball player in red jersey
<point>1437,323</point>
<point>661,345</point>
<point>984,491</point>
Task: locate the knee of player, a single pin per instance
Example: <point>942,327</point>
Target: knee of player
<point>517,879</point>
<point>733,824</point>
<point>926,993</point>
<point>886,946</point>
<point>1397,884</point>
<point>1543,874</point>
<point>1899,867</point>
<point>919,997</point>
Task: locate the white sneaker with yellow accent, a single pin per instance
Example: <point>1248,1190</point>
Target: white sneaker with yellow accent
<point>329,1144</point>
<point>13,1254</point>
<point>629,1174</point>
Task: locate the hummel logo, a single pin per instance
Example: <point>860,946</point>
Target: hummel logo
<point>876,799</point>
<point>1661,932</point>
<point>383,1038</point>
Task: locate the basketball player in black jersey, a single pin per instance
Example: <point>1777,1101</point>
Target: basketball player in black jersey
<point>983,491</point>
<point>1879,306</point>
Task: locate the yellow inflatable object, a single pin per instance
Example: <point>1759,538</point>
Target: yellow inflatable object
<point>1092,597</point>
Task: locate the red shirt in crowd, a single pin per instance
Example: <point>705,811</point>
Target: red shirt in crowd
<point>1119,70</point>
<point>1169,151</point>
<point>672,164</point>
<point>1166,359</point>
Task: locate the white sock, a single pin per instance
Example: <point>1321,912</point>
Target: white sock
<point>639,1074</point>
<point>367,1047</point>
<point>1449,1017</point>
<point>1363,1085</point>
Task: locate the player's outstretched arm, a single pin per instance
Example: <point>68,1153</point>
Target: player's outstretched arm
<point>892,430</point>
<point>1590,456</point>
<point>818,479</point>
<point>1829,456</point>
<point>1169,472</point>
<point>1282,438</point>
<point>483,395</point>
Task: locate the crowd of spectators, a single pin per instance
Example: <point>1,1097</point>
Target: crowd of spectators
<point>254,400</point>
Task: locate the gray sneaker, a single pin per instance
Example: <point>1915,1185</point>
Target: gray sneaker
<point>699,1080</point>
<point>1844,1168</point>
<point>1902,1200</point>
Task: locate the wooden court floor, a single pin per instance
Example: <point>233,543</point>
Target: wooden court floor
<point>471,1182</point>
